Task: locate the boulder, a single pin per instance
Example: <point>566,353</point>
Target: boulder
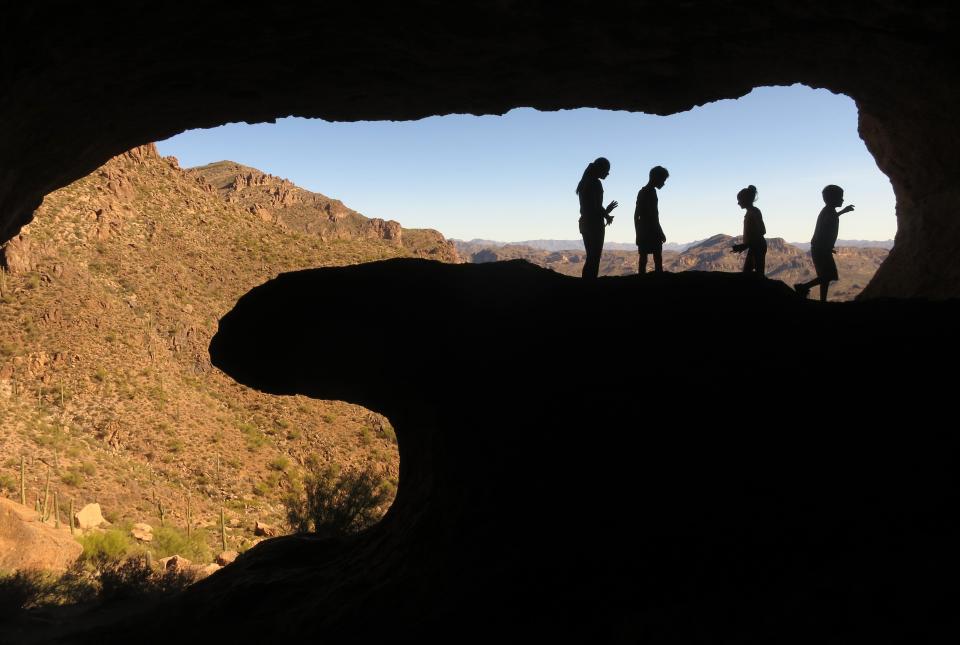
<point>28,543</point>
<point>227,557</point>
<point>90,517</point>
<point>174,564</point>
<point>142,532</point>
<point>265,530</point>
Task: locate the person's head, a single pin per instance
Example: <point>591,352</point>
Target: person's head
<point>599,168</point>
<point>747,196</point>
<point>658,176</point>
<point>833,196</point>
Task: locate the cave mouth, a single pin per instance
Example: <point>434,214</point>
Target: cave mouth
<point>507,178</point>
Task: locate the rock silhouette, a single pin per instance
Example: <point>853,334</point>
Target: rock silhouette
<point>537,504</point>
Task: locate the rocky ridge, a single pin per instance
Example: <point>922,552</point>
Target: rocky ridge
<point>280,201</point>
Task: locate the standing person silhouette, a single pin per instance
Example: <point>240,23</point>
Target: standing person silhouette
<point>753,231</point>
<point>821,246</point>
<point>593,216</point>
<point>646,219</point>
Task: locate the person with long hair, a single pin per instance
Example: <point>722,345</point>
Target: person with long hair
<point>646,219</point>
<point>753,231</point>
<point>594,217</point>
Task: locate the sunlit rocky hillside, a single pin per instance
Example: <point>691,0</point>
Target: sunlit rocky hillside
<point>108,301</point>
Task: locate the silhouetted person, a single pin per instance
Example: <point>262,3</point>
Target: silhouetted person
<point>821,246</point>
<point>593,216</point>
<point>753,231</point>
<point>646,219</point>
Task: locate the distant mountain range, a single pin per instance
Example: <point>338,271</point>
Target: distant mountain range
<point>577,245</point>
<point>786,262</point>
<point>860,244</point>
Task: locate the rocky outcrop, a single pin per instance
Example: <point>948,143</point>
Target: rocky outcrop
<point>284,204</point>
<point>420,59</point>
<point>27,543</point>
<point>379,229</point>
<point>17,256</point>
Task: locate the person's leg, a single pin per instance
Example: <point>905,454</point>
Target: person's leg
<point>658,261</point>
<point>588,247</point>
<point>593,243</point>
<point>642,267</point>
<point>824,285</point>
<point>591,266</point>
<point>803,288</point>
<point>748,262</point>
<point>760,263</point>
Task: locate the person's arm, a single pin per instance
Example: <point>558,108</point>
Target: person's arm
<point>846,209</point>
<point>608,210</point>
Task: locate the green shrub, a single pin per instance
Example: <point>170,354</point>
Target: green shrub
<point>279,463</point>
<point>9,483</point>
<point>389,434</point>
<point>169,541</point>
<point>71,478</point>
<point>110,545</point>
<point>337,504</point>
<point>255,439</point>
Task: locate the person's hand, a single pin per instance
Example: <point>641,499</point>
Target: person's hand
<point>847,209</point>
<point>609,220</point>
<point>663,238</point>
<point>738,248</point>
<point>611,206</point>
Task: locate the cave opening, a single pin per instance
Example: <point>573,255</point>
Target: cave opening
<point>127,250</point>
<point>495,181</point>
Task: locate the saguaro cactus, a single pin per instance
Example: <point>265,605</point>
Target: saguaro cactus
<point>223,531</point>
<point>23,480</point>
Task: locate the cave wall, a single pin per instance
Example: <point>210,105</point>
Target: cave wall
<point>81,84</point>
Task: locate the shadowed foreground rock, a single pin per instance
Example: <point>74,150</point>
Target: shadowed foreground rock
<point>588,477</point>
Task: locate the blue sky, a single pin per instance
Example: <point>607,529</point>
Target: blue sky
<point>513,177</point>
